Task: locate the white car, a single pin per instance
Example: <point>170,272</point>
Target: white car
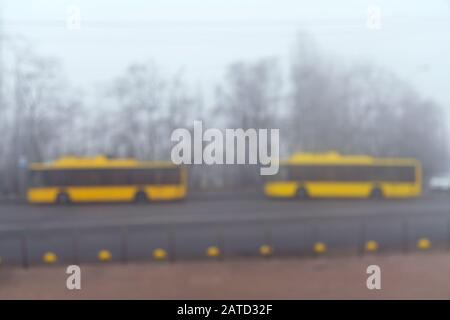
<point>440,183</point>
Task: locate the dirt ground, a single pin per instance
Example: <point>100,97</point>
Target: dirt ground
<point>413,276</point>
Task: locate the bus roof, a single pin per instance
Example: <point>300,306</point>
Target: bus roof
<point>98,162</point>
<point>334,157</point>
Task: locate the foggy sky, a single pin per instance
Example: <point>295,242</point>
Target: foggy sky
<point>202,37</point>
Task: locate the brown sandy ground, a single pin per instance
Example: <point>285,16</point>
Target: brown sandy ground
<point>413,276</point>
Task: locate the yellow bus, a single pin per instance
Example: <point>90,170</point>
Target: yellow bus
<point>308,175</point>
<point>99,179</point>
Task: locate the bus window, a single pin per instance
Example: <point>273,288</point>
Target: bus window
<point>143,176</point>
<point>169,176</point>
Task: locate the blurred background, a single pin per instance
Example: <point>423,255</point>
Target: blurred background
<point>90,78</point>
<point>113,78</point>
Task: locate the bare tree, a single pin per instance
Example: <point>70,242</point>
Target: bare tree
<point>361,109</point>
<point>41,113</point>
<point>144,108</point>
<point>249,97</point>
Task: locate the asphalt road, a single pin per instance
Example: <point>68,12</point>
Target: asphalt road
<point>238,226</point>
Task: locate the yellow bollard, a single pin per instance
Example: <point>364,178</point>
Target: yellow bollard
<point>265,250</point>
<point>371,246</point>
<point>159,254</point>
<point>104,255</point>
<point>423,244</point>
<point>320,247</point>
<point>213,252</point>
<point>49,258</point>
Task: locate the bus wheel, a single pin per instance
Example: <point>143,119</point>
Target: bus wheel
<point>302,193</point>
<point>376,193</point>
<point>141,197</point>
<point>63,199</point>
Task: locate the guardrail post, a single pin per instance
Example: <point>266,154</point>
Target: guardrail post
<point>75,256</point>
<point>221,242</point>
<point>268,237</point>
<point>124,238</point>
<point>24,250</point>
<point>315,236</point>
<point>405,235</point>
<point>448,235</point>
<point>172,244</point>
<point>362,238</point>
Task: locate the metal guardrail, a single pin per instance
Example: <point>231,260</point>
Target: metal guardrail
<point>212,240</point>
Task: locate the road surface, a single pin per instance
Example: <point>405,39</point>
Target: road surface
<point>238,227</point>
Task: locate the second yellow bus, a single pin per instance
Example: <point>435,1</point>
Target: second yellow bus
<point>309,175</point>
